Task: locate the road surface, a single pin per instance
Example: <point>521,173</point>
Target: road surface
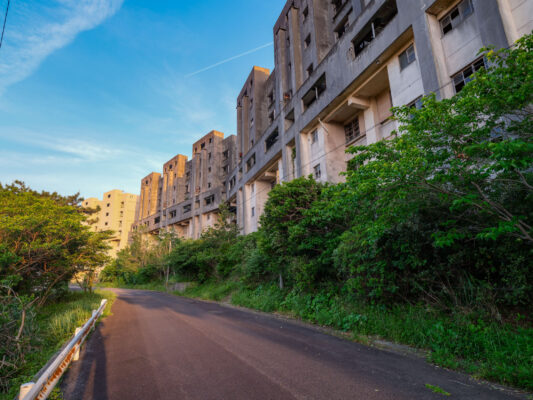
<point>159,346</point>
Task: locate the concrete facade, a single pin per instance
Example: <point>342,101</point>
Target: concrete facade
<point>340,66</point>
<point>117,213</point>
<point>185,198</point>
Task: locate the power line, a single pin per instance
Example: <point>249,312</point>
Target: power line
<point>4,27</point>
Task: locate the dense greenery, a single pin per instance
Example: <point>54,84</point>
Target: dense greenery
<point>427,242</point>
<point>45,241</point>
<point>51,326</point>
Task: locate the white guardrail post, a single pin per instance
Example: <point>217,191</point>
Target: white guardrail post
<point>42,388</point>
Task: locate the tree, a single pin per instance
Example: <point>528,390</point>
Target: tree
<point>450,199</point>
<point>45,241</point>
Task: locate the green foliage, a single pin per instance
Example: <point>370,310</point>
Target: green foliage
<point>44,241</point>
<point>45,332</point>
<point>428,241</point>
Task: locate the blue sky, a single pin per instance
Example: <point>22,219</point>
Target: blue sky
<point>96,94</point>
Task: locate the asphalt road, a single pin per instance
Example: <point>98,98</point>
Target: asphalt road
<point>159,346</point>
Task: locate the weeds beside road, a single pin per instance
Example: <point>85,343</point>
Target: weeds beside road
<point>53,326</point>
<point>498,352</point>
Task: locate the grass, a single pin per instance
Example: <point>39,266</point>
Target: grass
<point>438,390</point>
<point>56,323</point>
<point>486,349</point>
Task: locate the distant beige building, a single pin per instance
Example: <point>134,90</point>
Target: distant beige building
<point>185,198</point>
<point>117,213</point>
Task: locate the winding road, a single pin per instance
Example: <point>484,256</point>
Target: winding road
<point>159,346</point>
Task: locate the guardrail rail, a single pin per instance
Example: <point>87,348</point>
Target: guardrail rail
<point>46,382</point>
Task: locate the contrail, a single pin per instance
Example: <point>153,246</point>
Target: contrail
<point>229,59</point>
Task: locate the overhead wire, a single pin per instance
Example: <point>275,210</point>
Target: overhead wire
<point>4,26</point>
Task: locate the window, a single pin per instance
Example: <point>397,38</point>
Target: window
<point>338,5</point>
<point>271,139</point>
<point>232,183</point>
<point>341,28</point>
<point>378,23</point>
<point>209,185</point>
<point>225,155</point>
<point>210,140</point>
<point>252,187</point>
<point>209,169</point>
<point>416,104</point>
<point>251,162</point>
<point>108,196</point>
<point>271,117</point>
<point>209,200</point>
<point>86,203</point>
<point>352,130</point>
<point>202,146</point>
<point>457,15</point>
<point>317,171</point>
<point>271,98</point>
<point>187,208</point>
<point>289,119</point>
<point>306,13</point>
<point>208,217</point>
<point>146,182</point>
<point>253,211</point>
<point>109,204</point>
<point>466,75</point>
<point>106,224</point>
<point>107,214</point>
<point>407,57</point>
<point>209,156</point>
<point>226,169</point>
<point>307,41</point>
<point>173,214</point>
<point>314,92</point>
<point>157,220</point>
<point>314,136</point>
<point>309,70</point>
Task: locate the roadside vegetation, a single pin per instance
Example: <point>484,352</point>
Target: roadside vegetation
<point>428,242</point>
<point>44,243</point>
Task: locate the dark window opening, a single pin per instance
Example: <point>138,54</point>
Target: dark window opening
<point>251,162</point>
<point>271,139</point>
<point>352,130</point>
<point>307,41</point>
<point>202,146</point>
<point>271,98</point>
<point>225,155</point>
<point>317,171</point>
<point>187,208</point>
<point>271,117</point>
<point>173,214</point>
<point>338,5</point>
<point>314,93</point>
<point>467,74</point>
<point>209,200</point>
<point>456,16</point>
<point>342,26</point>
<point>157,220</point>
<point>306,13</point>
<point>378,23</point>
<point>309,70</point>
<point>407,57</point>
<point>289,119</point>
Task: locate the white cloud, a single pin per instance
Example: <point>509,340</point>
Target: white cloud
<point>34,31</point>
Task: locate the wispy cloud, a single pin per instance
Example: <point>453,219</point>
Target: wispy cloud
<point>34,31</point>
<point>227,60</point>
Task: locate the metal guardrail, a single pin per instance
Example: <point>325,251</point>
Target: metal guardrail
<point>71,352</point>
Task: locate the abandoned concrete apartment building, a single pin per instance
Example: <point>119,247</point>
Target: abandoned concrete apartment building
<point>340,65</point>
